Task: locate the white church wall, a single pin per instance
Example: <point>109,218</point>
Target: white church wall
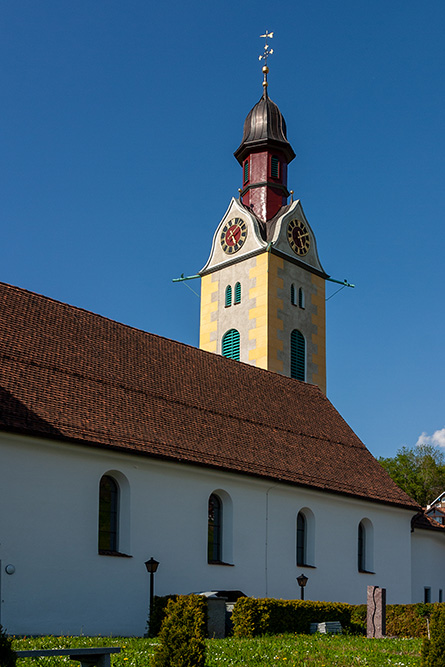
<point>49,523</point>
<point>428,556</point>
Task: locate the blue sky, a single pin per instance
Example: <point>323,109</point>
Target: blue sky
<point>118,124</point>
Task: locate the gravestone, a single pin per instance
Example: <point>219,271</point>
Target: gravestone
<point>376,612</point>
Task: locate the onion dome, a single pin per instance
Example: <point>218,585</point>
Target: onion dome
<point>264,128</point>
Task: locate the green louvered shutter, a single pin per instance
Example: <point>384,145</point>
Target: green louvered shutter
<point>301,298</point>
<point>293,298</point>
<point>228,296</point>
<point>246,171</point>
<point>231,344</point>
<point>297,355</point>
<point>275,167</point>
<point>237,293</point>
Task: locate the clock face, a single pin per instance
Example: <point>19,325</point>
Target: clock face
<point>233,235</point>
<point>298,237</point>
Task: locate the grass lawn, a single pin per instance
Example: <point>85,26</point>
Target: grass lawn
<point>292,650</point>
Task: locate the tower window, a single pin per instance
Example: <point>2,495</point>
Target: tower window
<point>275,167</point>
<point>228,298</point>
<point>246,170</point>
<point>301,297</point>
<point>237,293</point>
<point>293,295</point>
<point>231,344</point>
<point>297,355</point>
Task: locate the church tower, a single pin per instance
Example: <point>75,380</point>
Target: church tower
<point>263,287</point>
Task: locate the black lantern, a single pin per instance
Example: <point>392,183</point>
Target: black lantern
<point>302,581</point>
<point>152,566</point>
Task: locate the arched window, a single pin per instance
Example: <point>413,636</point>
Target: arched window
<point>301,539</point>
<point>301,297</point>
<point>293,295</point>
<point>365,547</point>
<point>228,296</point>
<point>231,344</point>
<point>237,293</point>
<point>214,540</point>
<point>305,538</point>
<point>108,514</point>
<point>297,355</point>
<point>361,547</point>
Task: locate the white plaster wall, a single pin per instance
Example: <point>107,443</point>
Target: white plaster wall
<point>428,557</point>
<point>48,531</point>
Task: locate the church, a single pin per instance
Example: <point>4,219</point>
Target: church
<point>227,464</point>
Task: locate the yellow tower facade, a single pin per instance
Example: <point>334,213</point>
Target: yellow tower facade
<point>264,303</point>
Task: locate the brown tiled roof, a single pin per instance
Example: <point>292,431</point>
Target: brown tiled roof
<point>425,522</point>
<point>66,373</point>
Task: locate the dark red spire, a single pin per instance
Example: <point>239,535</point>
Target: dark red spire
<point>264,154</point>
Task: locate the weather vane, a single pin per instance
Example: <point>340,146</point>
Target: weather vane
<point>267,51</point>
<point>264,56</point>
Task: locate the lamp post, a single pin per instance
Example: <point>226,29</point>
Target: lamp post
<point>152,566</point>
<point>302,581</point>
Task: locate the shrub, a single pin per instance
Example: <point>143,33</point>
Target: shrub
<point>252,617</point>
<point>158,613</point>
<point>433,650</point>
<point>182,635</point>
<point>8,656</point>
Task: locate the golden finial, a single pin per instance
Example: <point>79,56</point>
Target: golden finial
<point>264,56</point>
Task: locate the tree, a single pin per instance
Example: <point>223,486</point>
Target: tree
<point>419,471</point>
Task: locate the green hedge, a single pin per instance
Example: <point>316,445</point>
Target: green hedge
<point>182,636</point>
<point>252,617</point>
<point>402,620</point>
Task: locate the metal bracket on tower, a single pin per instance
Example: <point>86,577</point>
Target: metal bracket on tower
<point>340,282</point>
<point>343,283</point>
<point>183,277</point>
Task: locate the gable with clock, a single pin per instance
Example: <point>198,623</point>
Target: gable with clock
<point>263,286</point>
